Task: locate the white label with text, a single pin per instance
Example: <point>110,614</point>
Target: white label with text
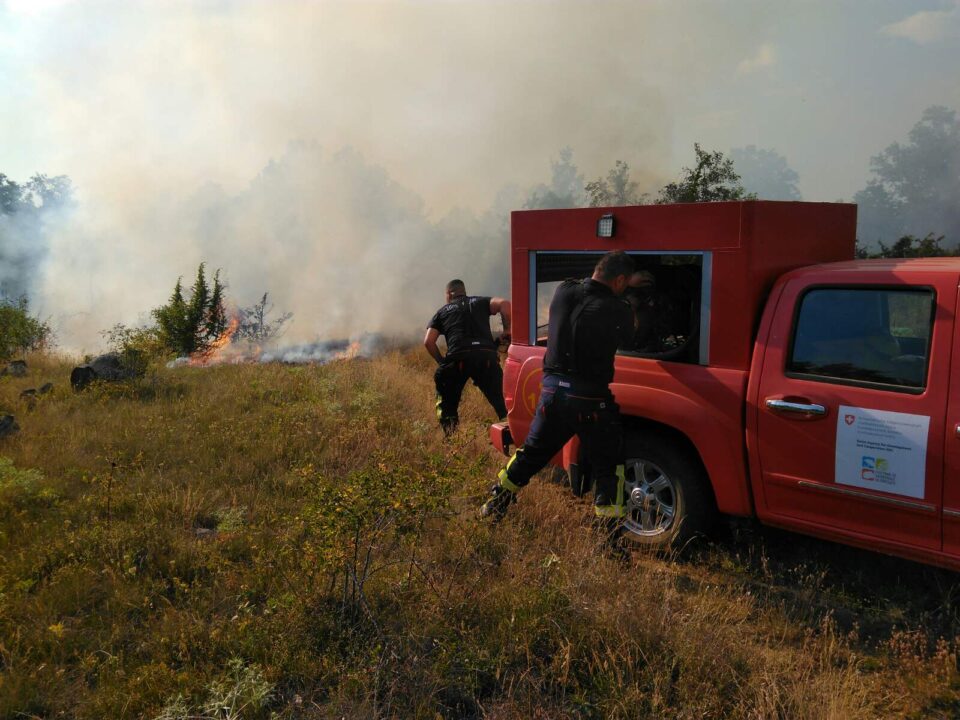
<point>882,450</point>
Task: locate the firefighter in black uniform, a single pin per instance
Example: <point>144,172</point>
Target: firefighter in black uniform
<point>471,351</point>
<point>588,322</point>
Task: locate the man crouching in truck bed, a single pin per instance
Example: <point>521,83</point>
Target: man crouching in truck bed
<point>588,322</point>
<point>471,351</point>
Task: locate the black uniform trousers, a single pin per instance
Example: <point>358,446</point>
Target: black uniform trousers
<point>567,408</point>
<point>481,366</point>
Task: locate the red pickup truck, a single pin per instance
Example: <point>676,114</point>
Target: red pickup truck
<point>774,375</point>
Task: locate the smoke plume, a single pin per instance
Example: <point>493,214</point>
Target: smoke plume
<point>351,157</point>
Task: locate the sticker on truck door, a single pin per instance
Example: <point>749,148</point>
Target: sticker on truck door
<point>882,450</point>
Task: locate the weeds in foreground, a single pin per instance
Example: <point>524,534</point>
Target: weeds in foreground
<point>290,542</point>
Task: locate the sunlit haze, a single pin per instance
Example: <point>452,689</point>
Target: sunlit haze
<point>351,157</point>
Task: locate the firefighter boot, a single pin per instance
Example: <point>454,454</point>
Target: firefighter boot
<point>610,530</point>
<point>500,500</point>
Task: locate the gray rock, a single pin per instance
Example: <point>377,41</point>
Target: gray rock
<point>17,368</point>
<point>45,388</point>
<point>109,367</point>
<point>8,425</point>
<point>29,394</point>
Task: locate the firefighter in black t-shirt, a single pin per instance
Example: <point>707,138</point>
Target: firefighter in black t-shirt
<point>471,351</point>
<point>588,322</point>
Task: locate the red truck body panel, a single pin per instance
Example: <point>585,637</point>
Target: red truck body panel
<point>794,461</point>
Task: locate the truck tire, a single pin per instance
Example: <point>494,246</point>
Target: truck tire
<point>668,496</point>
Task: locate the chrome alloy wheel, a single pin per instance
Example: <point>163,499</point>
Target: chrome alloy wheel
<point>651,499</point>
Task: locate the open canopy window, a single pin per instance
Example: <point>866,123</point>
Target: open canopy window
<point>668,306</point>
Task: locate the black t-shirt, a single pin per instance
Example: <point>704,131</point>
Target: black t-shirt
<point>584,346</point>
<point>465,323</point>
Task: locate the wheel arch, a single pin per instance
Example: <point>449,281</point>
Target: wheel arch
<point>668,434</point>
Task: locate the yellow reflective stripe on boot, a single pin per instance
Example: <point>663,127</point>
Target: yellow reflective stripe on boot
<point>618,510</point>
<point>439,411</point>
<point>505,482</point>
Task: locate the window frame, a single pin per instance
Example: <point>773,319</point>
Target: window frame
<point>706,290</point>
<point>850,382</point>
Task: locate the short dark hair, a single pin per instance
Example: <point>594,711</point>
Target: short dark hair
<point>456,287</point>
<point>613,265</point>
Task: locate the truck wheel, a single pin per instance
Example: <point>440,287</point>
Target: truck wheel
<point>666,492</point>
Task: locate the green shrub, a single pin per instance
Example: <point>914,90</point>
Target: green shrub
<point>136,346</point>
<point>23,488</point>
<point>187,326</point>
<point>20,332</point>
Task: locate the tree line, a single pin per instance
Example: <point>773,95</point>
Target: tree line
<point>910,206</point>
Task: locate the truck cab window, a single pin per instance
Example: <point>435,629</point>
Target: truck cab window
<point>667,307</point>
<point>864,335</point>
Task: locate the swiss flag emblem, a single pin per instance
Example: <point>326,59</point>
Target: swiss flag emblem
<point>848,419</point>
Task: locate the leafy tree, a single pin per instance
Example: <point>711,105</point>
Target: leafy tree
<point>910,247</point>
<point>565,189</point>
<point>172,322</point>
<point>916,186</point>
<point>711,179</point>
<point>187,326</point>
<point>198,309</point>
<point>43,191</point>
<point>765,173</point>
<point>616,189</point>
<point>25,209</point>
<point>21,332</point>
<point>11,195</point>
<point>216,321</point>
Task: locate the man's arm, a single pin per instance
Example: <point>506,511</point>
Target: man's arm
<point>430,343</point>
<point>502,306</point>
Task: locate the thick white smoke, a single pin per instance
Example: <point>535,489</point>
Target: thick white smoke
<point>222,131</point>
<point>329,235</point>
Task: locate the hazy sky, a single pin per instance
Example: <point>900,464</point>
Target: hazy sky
<point>165,115</point>
<point>454,98</point>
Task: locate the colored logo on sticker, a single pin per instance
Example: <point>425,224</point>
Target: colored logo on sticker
<point>867,474</point>
<point>883,464</point>
<point>868,462</point>
<point>849,419</point>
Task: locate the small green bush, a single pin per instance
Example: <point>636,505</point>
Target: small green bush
<point>136,346</point>
<point>20,332</point>
<point>23,488</point>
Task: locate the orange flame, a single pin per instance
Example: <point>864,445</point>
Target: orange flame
<point>215,352</point>
<point>348,353</point>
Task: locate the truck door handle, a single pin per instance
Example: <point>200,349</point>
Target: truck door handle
<point>809,410</point>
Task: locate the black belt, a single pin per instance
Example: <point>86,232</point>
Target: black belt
<point>579,385</point>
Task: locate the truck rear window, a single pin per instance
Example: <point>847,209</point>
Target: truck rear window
<point>864,335</point>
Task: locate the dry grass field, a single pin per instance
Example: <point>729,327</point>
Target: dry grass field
<point>269,541</point>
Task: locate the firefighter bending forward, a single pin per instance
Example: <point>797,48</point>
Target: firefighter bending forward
<point>471,351</point>
<point>588,322</point>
